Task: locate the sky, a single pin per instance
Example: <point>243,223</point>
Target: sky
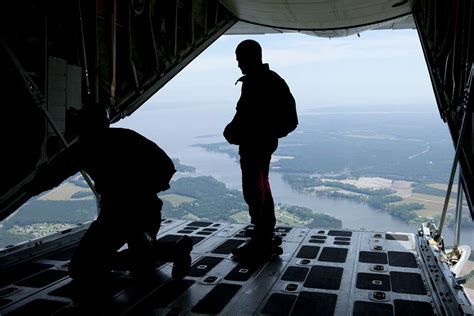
<point>378,68</point>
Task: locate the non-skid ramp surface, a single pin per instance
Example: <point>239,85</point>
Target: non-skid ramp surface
<point>308,252</point>
<point>203,266</point>
<point>242,272</point>
<point>162,297</point>
<point>321,272</point>
<point>296,274</point>
<point>39,307</point>
<point>216,300</point>
<point>279,304</point>
<point>373,257</point>
<point>371,308</point>
<point>310,302</point>
<point>226,247</point>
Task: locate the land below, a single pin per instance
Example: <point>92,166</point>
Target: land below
<point>373,159</point>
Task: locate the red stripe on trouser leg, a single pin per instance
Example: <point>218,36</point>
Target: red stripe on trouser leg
<point>257,193</point>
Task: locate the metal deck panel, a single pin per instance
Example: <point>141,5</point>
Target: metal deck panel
<point>324,270</point>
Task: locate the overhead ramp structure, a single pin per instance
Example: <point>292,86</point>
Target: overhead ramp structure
<point>60,57</point>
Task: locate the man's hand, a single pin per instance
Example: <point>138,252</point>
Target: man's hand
<point>231,134</point>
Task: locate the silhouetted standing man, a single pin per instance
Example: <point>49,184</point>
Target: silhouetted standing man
<point>265,112</point>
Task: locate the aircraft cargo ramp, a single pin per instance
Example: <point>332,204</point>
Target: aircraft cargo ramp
<point>321,272</point>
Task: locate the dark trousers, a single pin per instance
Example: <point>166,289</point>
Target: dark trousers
<point>257,193</point>
<point>130,219</point>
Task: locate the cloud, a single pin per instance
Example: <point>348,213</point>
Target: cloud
<point>293,50</point>
<point>380,67</point>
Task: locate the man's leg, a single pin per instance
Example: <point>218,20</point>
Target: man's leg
<point>145,217</point>
<point>251,185</point>
<point>265,212</point>
<point>267,217</point>
<point>92,258</point>
<point>257,194</point>
<point>91,264</point>
<point>178,252</point>
<point>146,251</point>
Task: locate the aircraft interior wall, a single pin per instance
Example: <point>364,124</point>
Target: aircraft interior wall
<point>62,56</point>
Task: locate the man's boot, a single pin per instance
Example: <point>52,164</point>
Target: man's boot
<point>182,257</point>
<point>256,250</point>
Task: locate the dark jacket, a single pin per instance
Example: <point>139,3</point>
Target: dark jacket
<point>122,160</point>
<point>119,160</point>
<point>253,127</point>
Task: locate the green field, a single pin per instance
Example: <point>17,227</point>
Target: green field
<point>442,186</point>
<point>241,217</point>
<point>285,218</point>
<point>433,204</point>
<point>176,199</point>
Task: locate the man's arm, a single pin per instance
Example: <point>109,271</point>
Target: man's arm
<point>233,130</point>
